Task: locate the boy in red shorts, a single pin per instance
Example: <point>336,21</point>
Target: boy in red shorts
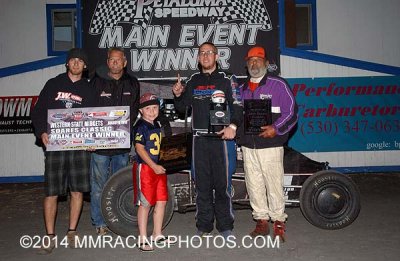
<point>150,180</point>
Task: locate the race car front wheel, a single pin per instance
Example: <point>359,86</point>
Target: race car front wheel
<point>119,212</point>
<point>330,200</point>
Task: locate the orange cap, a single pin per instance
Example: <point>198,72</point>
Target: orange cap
<point>256,52</point>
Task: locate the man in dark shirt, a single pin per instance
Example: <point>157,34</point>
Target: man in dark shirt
<point>114,88</point>
<point>64,169</point>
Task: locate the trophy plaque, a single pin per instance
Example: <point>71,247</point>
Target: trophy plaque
<point>257,113</point>
<point>176,152</point>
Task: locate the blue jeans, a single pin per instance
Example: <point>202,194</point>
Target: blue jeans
<point>101,169</point>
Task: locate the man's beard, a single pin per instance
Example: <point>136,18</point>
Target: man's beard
<point>257,72</point>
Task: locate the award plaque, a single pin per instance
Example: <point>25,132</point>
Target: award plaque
<point>176,152</point>
<point>257,113</point>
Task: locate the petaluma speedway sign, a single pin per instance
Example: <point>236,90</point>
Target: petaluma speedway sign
<point>161,37</point>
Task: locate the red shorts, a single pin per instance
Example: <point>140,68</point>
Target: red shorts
<point>148,187</point>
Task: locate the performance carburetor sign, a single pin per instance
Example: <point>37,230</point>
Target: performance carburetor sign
<point>161,37</point>
<point>347,114</point>
<point>83,128</point>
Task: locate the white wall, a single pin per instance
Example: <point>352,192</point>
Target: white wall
<point>23,30</point>
<point>292,67</point>
<point>365,30</point>
<point>357,158</point>
<point>19,154</point>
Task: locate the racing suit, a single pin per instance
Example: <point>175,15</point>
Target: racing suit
<point>214,159</point>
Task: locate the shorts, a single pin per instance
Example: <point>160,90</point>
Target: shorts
<point>148,186</point>
<point>66,170</point>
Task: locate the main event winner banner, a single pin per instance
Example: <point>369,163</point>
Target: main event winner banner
<point>161,37</point>
<point>93,127</point>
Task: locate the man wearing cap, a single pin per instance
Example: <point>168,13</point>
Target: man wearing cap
<point>64,170</point>
<point>113,87</point>
<point>263,152</point>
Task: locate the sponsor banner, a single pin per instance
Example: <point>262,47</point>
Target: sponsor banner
<point>347,114</point>
<point>83,128</point>
<point>161,37</point>
<point>15,114</point>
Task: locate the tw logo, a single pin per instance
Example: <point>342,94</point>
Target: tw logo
<point>63,96</point>
<point>68,97</point>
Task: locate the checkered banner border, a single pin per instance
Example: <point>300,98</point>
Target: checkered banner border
<point>249,11</point>
<point>109,13</point>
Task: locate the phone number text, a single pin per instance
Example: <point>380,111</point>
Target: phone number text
<point>328,127</point>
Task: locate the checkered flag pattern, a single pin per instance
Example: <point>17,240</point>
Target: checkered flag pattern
<point>109,13</point>
<point>249,11</point>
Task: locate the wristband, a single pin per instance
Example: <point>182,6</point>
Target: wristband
<point>232,126</point>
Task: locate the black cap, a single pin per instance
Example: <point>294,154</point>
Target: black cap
<point>77,53</point>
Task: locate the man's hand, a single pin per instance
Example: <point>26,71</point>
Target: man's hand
<point>228,133</point>
<point>91,149</point>
<point>268,132</point>
<point>45,138</point>
<point>178,88</point>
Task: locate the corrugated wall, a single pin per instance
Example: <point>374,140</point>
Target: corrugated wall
<point>292,67</point>
<point>361,29</point>
<point>19,154</point>
<point>21,157</point>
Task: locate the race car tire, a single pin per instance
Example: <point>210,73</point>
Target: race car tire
<point>330,200</point>
<point>118,209</point>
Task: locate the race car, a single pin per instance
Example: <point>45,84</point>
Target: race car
<point>327,198</point>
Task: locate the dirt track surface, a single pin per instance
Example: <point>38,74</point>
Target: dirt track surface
<point>375,235</point>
